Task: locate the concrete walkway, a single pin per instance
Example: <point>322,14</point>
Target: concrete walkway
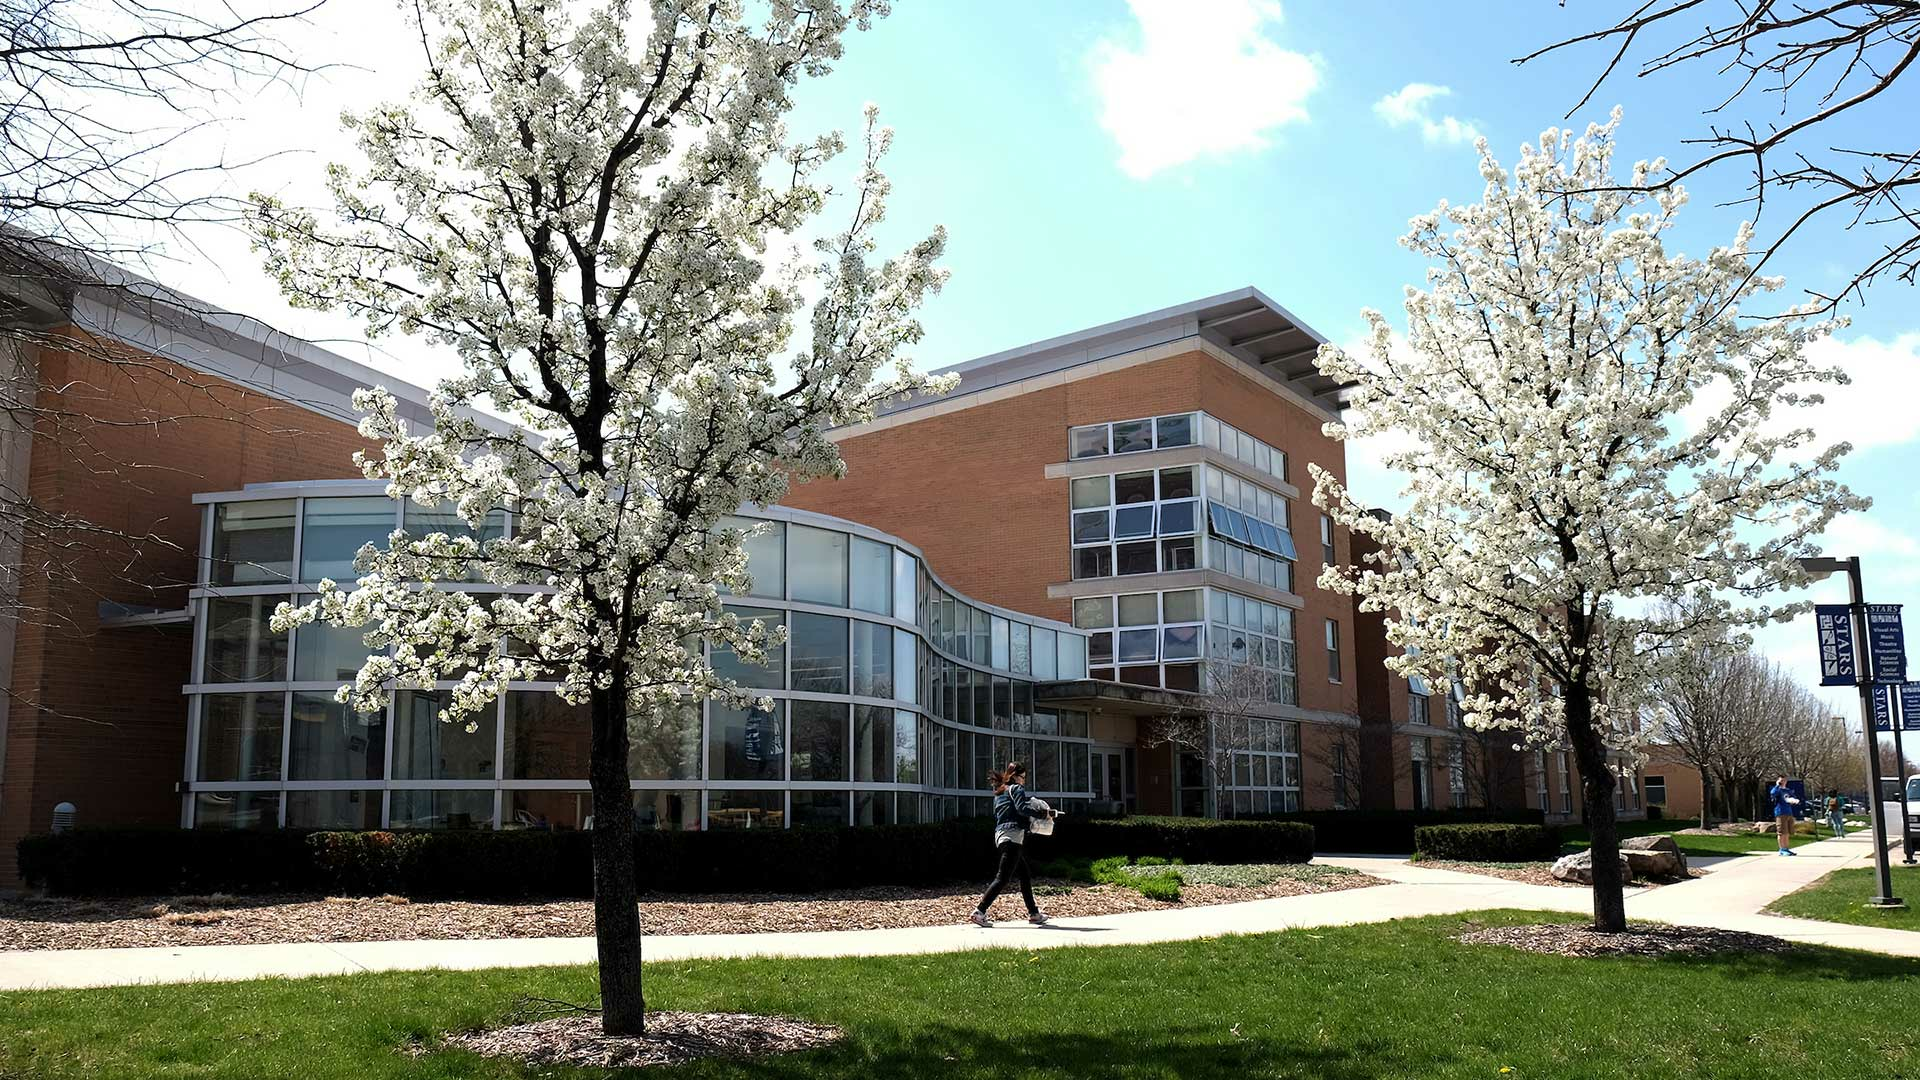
<point>1730,897</point>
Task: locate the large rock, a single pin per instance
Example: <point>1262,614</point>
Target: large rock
<point>1578,867</point>
<point>1655,857</point>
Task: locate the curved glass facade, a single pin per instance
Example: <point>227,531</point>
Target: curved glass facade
<point>891,699</point>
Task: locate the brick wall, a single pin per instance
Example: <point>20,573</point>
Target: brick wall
<point>96,715</point>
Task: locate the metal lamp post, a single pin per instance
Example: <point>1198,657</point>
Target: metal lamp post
<point>1818,569</point>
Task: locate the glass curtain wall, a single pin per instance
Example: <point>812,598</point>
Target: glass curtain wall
<point>868,723</point>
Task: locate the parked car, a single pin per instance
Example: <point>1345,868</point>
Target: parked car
<point>1908,831</point>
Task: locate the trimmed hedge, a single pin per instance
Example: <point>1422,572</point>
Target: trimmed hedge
<point>513,864</point>
<point>1391,832</point>
<point>1487,843</point>
<point>1194,840</point>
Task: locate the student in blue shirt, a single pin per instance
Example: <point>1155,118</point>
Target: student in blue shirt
<point>1781,797</point>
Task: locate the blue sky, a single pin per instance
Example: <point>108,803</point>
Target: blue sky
<point>1095,160</point>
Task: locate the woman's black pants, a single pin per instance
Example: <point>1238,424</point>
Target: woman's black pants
<point>1013,859</point>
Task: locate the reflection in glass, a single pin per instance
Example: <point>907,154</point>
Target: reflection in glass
<point>440,810</point>
<point>873,656</point>
<point>746,809</point>
<point>819,741</point>
<point>324,653</point>
<point>819,647</point>
<point>872,576</point>
<point>428,748</point>
<point>766,549</point>
<point>240,736</point>
<point>352,810</point>
<point>241,644</point>
<point>746,744</point>
<point>770,675</point>
<point>252,542</point>
<point>819,808</point>
<point>665,745</point>
<point>547,739</point>
<point>819,563</point>
<point>334,530</point>
<point>330,741</point>
<point>236,810</point>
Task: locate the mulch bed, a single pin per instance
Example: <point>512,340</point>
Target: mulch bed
<point>672,1038</point>
<point>1535,873</point>
<point>1566,939</point>
<point>60,923</point>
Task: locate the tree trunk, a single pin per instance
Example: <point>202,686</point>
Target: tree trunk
<point>616,893</point>
<point>1596,786</point>
<point>1706,801</point>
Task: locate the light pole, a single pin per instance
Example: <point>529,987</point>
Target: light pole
<point>1818,569</point>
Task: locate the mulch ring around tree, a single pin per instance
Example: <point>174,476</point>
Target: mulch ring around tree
<point>1572,939</point>
<point>672,1038</point>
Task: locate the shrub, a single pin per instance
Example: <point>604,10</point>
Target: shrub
<point>512,864</point>
<point>1486,842</point>
<point>1656,812</point>
<point>1390,832</point>
<point>1195,840</point>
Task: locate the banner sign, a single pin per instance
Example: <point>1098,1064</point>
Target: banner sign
<point>1886,643</point>
<point>1834,622</point>
<point>1883,708</point>
<point>1910,706</point>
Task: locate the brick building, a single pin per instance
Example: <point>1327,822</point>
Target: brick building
<point>1049,558</point>
<point>1140,479</point>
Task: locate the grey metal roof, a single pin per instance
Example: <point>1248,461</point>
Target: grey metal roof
<point>1245,323</point>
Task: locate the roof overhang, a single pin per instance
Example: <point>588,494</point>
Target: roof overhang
<point>1112,698</point>
<point>1244,324</point>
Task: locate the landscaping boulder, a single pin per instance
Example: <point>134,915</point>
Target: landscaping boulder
<point>1578,867</point>
<point>1657,857</point>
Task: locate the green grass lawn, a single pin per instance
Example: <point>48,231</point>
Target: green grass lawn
<point>1576,838</point>
<point>1397,1000</point>
<point>1842,895</point>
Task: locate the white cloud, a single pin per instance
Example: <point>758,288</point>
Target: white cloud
<point>1876,408</point>
<point>1872,410</point>
<point>1408,106</point>
<point>1202,79</point>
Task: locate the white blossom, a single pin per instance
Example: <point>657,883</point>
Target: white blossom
<point>579,206</point>
<point>1595,449</point>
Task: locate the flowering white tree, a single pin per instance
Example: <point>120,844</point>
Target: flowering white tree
<point>585,220</point>
<point>1598,447</point>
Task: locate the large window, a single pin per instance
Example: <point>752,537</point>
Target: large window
<point>746,744</point>
<point>1245,631</point>
<point>330,741</point>
<point>428,748</point>
<point>1457,774</point>
<point>240,736</point>
<point>1134,523</point>
<point>444,518</point>
<point>819,647</point>
<point>1147,639</point>
<point>766,548</point>
<point>872,575</point>
<point>665,744</point>
<point>324,653</point>
<point>547,738</point>
<point>819,742</point>
<point>241,645</point>
<point>1264,764</point>
<point>1656,789</point>
<point>1249,534</point>
<point>873,654</point>
<point>334,530</point>
<point>1132,436</point>
<point>252,543</point>
<point>771,674</point>
<point>818,561</point>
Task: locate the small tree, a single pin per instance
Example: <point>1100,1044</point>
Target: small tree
<point>1217,726</point>
<point>1554,500</point>
<point>584,219</point>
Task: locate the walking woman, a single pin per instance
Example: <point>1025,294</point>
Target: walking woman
<point>1013,808</point>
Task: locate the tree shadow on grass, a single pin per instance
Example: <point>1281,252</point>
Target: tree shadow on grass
<point>956,1052</point>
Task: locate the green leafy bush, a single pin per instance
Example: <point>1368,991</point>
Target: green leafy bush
<point>511,864</point>
<point>1194,840</point>
<point>1390,832</point>
<point>1487,843</point>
